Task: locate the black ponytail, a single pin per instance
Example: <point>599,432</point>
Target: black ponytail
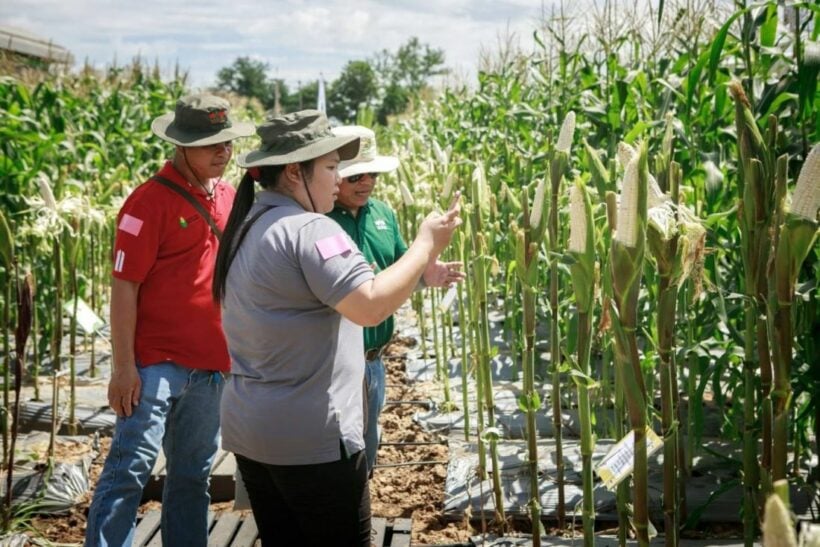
<point>241,205</point>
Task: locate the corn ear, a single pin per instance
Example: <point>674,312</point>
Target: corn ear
<point>406,196</point>
<point>627,232</point>
<point>582,246</point>
<point>612,211</point>
<point>600,174</point>
<point>449,182</point>
<point>806,197</point>
<point>778,530</point>
<point>625,154</point>
<point>45,192</point>
<point>538,204</point>
<point>566,133</point>
<point>441,155</point>
<point>627,250</point>
<point>577,220</point>
<point>481,192</point>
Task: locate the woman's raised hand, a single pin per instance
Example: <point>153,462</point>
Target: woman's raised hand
<point>439,227</point>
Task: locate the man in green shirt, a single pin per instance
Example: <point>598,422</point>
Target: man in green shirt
<point>372,224</point>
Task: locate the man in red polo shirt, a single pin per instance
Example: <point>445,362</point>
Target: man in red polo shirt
<point>169,352</point>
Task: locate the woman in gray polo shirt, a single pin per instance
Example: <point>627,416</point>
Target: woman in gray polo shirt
<point>295,294</point>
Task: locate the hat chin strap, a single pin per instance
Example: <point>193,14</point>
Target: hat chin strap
<point>196,176</point>
<point>310,197</point>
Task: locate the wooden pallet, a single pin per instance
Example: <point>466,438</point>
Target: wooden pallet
<point>222,478</point>
<point>233,529</point>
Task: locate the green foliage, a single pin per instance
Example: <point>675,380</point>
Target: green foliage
<point>355,89</point>
<point>387,82</point>
<point>248,77</point>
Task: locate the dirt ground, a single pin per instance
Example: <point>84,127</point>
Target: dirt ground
<point>410,491</point>
<point>413,490</point>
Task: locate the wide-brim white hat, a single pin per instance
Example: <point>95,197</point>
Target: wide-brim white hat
<point>368,160</point>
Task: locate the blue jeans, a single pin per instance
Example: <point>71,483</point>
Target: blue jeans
<point>375,385</point>
<point>179,411</point>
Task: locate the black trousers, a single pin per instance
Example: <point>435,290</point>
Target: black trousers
<point>319,505</point>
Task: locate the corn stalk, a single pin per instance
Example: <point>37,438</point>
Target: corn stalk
<point>582,267</point>
<point>481,271</point>
<point>558,165</point>
<point>626,255</point>
<point>795,240</point>
<point>755,212</point>
<point>528,242</point>
<point>465,328</point>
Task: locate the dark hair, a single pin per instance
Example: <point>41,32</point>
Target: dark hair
<point>268,177</point>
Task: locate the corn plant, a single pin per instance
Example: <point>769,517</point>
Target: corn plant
<point>795,239</point>
<point>756,188</point>
<point>582,246</point>
<point>627,255</point>
<point>558,165</point>
<point>480,269</point>
<point>528,243</point>
<point>676,242</point>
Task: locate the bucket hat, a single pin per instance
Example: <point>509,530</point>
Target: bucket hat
<point>297,137</point>
<point>200,120</point>
<point>368,159</point>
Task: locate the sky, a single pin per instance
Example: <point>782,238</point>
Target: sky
<point>298,39</point>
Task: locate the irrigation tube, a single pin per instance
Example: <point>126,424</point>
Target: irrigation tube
<point>414,443</point>
<point>408,464</point>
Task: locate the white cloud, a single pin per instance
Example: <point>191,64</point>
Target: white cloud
<point>297,38</point>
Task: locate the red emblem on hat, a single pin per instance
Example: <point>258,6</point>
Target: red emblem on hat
<point>218,117</point>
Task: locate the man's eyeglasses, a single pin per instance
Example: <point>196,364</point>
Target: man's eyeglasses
<point>353,179</point>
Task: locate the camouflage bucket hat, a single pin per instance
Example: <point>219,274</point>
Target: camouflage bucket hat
<point>200,120</point>
<point>298,137</point>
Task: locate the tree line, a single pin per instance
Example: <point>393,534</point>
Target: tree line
<point>384,83</point>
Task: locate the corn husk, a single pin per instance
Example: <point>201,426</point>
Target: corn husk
<point>449,182</point>
<point>600,174</point>
<point>406,196</point>
<point>627,232</point>
<point>45,192</point>
<point>538,204</point>
<point>778,530</point>
<point>441,155</point>
<point>565,135</point>
<point>806,197</point>
<point>481,191</point>
<point>582,246</point>
<point>625,154</point>
<point>577,220</point>
<point>627,251</point>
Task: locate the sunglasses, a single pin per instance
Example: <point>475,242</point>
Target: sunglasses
<point>353,179</point>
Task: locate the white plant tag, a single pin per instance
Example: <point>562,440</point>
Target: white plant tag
<point>447,302</point>
<point>86,318</point>
<point>619,461</point>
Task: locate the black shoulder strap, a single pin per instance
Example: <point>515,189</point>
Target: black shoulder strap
<point>245,229</point>
<point>193,201</point>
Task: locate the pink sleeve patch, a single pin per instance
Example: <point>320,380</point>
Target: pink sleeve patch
<point>333,245</point>
<point>130,225</point>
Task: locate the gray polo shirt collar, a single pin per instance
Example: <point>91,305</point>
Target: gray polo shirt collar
<point>271,197</point>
